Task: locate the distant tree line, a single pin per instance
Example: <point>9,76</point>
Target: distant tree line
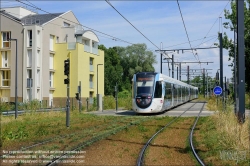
<point>120,63</point>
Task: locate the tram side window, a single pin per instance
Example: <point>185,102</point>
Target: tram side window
<point>168,91</point>
<point>175,91</point>
<point>179,91</point>
<point>158,89</point>
<point>183,92</point>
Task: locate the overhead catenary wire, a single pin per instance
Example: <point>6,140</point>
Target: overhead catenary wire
<point>61,25</point>
<point>32,4</point>
<point>133,25</point>
<point>188,42</point>
<point>207,41</point>
<point>75,22</point>
<point>215,21</point>
<point>112,37</point>
<point>186,29</point>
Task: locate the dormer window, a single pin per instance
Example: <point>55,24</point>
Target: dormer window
<point>65,24</point>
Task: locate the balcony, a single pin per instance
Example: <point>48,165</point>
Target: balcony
<point>86,48</point>
<point>6,44</point>
<point>5,82</point>
<point>91,68</point>
<point>91,85</point>
<point>95,50</point>
<point>72,46</point>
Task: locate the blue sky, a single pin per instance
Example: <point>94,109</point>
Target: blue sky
<point>159,21</point>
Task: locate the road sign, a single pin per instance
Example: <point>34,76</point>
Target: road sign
<point>217,90</point>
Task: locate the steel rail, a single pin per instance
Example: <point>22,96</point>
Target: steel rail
<point>83,133</point>
<point>191,138</point>
<point>92,140</point>
<point>141,155</point>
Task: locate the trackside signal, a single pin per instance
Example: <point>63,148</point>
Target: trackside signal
<point>66,67</point>
<point>66,81</point>
<point>77,96</point>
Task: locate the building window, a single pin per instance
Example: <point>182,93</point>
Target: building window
<point>29,58</point>
<point>29,38</point>
<point>91,84</point>
<point>65,24</point>
<point>4,59</point>
<point>51,75</point>
<point>51,43</point>
<point>38,94</point>
<point>38,58</point>
<point>91,62</point>
<point>29,73</point>
<point>38,39</point>
<point>51,61</point>
<point>38,78</point>
<point>5,78</point>
<point>5,39</point>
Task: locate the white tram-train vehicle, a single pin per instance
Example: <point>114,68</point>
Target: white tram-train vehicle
<point>154,92</point>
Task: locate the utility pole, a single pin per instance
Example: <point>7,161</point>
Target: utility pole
<point>172,65</point>
<point>204,82</point>
<point>188,74</point>
<point>221,65</point>
<point>161,58</point>
<point>80,99</point>
<point>177,73</point>
<point>235,79</point>
<point>207,85</point>
<point>180,71</point>
<point>241,60</point>
<point>67,81</point>
<point>16,109</point>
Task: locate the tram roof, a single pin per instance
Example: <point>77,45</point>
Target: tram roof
<point>174,81</point>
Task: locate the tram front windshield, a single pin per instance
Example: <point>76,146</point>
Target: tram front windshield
<point>144,85</point>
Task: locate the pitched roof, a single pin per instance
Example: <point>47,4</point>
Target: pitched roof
<point>9,15</point>
<point>39,18</point>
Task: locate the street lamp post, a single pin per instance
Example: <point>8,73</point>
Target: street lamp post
<point>15,81</point>
<point>97,95</point>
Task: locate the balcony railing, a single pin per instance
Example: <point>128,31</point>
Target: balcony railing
<point>86,48</point>
<point>91,85</point>
<point>91,68</point>
<point>95,50</point>
<point>72,46</point>
<point>6,44</point>
<point>5,82</point>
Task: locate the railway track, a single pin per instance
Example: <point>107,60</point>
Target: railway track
<point>140,160</point>
<point>90,141</point>
<point>86,133</point>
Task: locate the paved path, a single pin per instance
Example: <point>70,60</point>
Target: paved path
<point>173,112</point>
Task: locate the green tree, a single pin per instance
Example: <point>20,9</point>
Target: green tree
<point>135,58</point>
<point>229,43</point>
<point>120,63</point>
<point>112,69</point>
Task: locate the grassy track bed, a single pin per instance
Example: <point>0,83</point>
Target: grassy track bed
<point>171,146</point>
<point>220,140</point>
<point>31,129</point>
